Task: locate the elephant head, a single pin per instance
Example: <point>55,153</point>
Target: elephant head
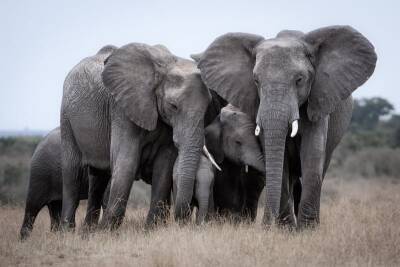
<point>231,136</point>
<point>150,85</point>
<point>270,79</point>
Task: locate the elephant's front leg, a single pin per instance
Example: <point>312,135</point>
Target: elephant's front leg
<point>312,154</point>
<point>286,214</point>
<point>161,186</point>
<point>125,157</point>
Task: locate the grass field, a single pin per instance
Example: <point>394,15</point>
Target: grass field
<point>360,226</point>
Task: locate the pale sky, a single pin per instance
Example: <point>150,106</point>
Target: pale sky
<point>40,41</point>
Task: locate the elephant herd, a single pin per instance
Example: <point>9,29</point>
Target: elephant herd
<point>247,113</point>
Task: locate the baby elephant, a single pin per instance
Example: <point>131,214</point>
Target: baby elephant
<point>45,183</point>
<point>235,189</point>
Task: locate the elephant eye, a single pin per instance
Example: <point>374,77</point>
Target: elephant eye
<point>256,80</point>
<point>173,107</point>
<point>238,143</point>
<point>299,80</point>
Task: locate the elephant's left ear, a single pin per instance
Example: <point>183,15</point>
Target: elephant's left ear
<point>131,75</point>
<point>344,60</point>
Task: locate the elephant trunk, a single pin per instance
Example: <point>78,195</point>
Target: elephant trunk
<point>188,159</point>
<point>275,121</point>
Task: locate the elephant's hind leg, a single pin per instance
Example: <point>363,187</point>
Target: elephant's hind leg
<point>71,173</point>
<point>31,211</point>
<point>98,181</point>
<point>161,186</point>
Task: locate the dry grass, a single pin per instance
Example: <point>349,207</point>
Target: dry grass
<point>359,227</point>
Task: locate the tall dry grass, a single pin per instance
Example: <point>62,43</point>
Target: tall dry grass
<point>359,227</point>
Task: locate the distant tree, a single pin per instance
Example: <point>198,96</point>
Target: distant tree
<point>393,125</point>
<point>367,112</point>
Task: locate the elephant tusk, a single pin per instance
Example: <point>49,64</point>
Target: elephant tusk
<point>210,157</point>
<point>257,131</point>
<point>295,128</point>
<point>246,168</point>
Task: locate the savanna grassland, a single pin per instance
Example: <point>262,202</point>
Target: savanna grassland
<point>359,227</point>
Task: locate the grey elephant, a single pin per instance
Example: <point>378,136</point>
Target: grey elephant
<point>45,184</point>
<point>119,102</point>
<point>234,189</point>
<point>292,79</point>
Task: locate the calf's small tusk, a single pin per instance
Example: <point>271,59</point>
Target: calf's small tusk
<point>246,168</point>
<point>211,158</point>
<point>257,131</point>
<point>295,128</point>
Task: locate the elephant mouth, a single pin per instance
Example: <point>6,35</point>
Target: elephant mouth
<point>295,128</point>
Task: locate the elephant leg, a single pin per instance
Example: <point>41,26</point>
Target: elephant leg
<point>286,214</point>
<point>296,192</point>
<point>31,211</point>
<point>55,208</point>
<point>253,188</point>
<point>211,208</point>
<point>125,158</point>
<point>71,173</point>
<point>98,181</point>
<point>312,155</point>
<point>161,186</point>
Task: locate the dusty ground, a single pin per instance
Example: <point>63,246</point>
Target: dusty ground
<point>359,227</point>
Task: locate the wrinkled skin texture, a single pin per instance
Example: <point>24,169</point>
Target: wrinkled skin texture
<point>294,76</point>
<point>230,192</point>
<point>45,183</point>
<point>119,102</point>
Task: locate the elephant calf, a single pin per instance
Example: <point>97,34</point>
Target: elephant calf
<point>45,183</point>
<point>235,189</point>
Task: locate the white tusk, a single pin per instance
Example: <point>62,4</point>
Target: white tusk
<point>295,128</point>
<point>210,157</point>
<point>246,168</point>
<point>257,131</point>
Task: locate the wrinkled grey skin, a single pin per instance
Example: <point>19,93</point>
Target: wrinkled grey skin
<point>293,76</point>
<point>115,104</point>
<point>45,183</point>
<point>231,191</point>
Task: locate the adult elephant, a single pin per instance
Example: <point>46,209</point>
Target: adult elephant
<point>115,104</point>
<point>280,81</point>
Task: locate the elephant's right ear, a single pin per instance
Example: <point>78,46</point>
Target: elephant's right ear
<point>131,74</point>
<point>227,67</point>
<point>213,135</point>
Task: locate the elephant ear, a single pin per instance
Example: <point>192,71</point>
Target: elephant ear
<point>131,74</point>
<point>227,67</point>
<point>213,135</point>
<point>344,60</point>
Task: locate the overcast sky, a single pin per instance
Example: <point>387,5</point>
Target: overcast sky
<point>40,41</point>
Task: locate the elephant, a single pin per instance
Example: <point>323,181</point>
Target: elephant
<point>294,78</point>
<point>45,183</point>
<point>119,103</point>
<point>234,189</point>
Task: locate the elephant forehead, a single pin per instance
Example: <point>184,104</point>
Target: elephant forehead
<point>184,67</point>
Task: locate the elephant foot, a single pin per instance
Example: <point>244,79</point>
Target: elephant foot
<point>110,223</point>
<point>305,222</point>
<point>24,233</point>
<point>67,226</point>
<point>183,214</point>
